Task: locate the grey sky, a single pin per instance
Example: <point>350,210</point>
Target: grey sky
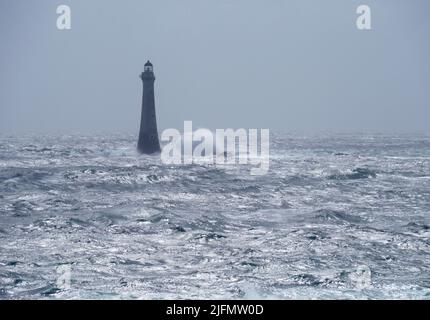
<point>280,64</point>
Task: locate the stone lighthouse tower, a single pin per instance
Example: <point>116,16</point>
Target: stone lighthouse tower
<point>148,135</point>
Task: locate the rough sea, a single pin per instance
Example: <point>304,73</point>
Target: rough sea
<point>337,216</point>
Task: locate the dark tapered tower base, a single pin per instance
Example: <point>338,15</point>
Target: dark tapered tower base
<point>147,145</point>
<point>148,135</point>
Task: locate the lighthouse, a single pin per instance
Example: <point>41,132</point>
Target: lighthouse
<point>148,135</point>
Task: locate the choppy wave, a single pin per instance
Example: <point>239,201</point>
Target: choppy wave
<point>127,226</point>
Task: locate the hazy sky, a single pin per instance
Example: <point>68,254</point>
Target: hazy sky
<point>279,64</point>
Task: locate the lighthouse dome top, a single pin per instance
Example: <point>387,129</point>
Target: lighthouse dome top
<point>148,66</point>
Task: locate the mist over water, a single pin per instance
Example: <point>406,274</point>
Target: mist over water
<point>332,209</point>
